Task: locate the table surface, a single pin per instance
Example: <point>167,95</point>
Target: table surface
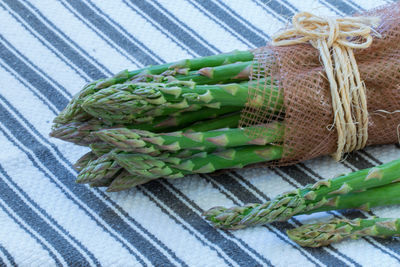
<point>49,49</point>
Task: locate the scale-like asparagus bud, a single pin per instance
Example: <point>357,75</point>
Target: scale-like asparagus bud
<point>238,157</point>
<point>101,168</point>
<point>125,180</point>
<point>325,233</point>
<point>312,198</point>
<point>79,132</point>
<point>81,163</point>
<point>74,111</point>
<point>141,102</point>
<point>132,140</point>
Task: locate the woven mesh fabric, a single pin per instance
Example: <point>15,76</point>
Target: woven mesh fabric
<point>307,111</point>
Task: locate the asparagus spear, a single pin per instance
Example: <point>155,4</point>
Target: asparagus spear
<point>73,109</point>
<point>125,180</point>
<point>323,234</point>
<point>84,160</point>
<point>79,132</point>
<point>130,140</point>
<point>99,169</point>
<point>307,199</point>
<point>203,162</point>
<point>140,102</point>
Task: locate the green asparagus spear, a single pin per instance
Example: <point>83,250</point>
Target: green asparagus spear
<point>125,180</point>
<point>300,201</point>
<point>199,163</point>
<point>130,140</point>
<point>325,233</point>
<point>81,163</point>
<point>79,132</point>
<point>73,111</point>
<point>139,102</point>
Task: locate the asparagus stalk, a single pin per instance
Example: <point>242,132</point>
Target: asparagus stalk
<point>79,132</point>
<point>130,140</point>
<point>186,64</point>
<point>203,162</point>
<point>84,160</point>
<point>140,102</point>
<point>323,234</point>
<point>99,169</point>
<point>74,111</point>
<point>125,180</point>
<point>307,199</point>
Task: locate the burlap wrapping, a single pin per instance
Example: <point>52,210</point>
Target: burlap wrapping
<point>307,112</point>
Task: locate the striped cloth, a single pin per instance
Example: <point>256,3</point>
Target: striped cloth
<point>50,48</point>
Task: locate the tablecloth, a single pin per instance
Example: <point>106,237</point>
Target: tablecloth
<point>50,48</point>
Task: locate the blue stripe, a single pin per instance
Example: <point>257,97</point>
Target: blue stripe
<point>32,77</point>
<point>196,207</point>
<point>245,196</point>
<point>83,193</point>
<point>276,9</point>
<point>146,57</point>
<point>55,40</point>
<point>44,246</point>
<point>45,45</point>
<point>140,13</point>
<point>24,58</point>
<point>8,256</point>
<point>196,221</point>
<point>252,27</point>
<point>182,33</point>
<point>233,23</point>
<point>70,41</point>
<point>99,34</point>
<point>43,100</point>
<point>176,29</point>
<point>216,21</point>
<point>54,223</point>
<point>70,254</point>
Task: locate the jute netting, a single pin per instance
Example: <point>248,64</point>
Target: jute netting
<point>307,103</point>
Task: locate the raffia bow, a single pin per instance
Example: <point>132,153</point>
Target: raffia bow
<point>335,38</point>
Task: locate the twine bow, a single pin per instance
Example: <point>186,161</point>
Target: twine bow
<point>335,38</point>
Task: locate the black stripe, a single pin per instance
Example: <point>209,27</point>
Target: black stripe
<point>83,193</point>
<point>245,196</point>
<point>8,256</point>
<point>139,12</point>
<point>244,21</point>
<point>70,254</point>
<point>179,29</point>
<point>32,77</point>
<point>44,44</point>
<point>69,40</point>
<point>230,22</point>
<point>196,221</point>
<point>99,34</point>
<point>55,41</point>
<point>8,70</point>
<point>146,57</point>
<point>54,223</point>
<point>192,233</point>
<point>25,59</point>
<point>341,6</point>
<point>44,246</point>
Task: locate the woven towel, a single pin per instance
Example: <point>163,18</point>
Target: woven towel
<point>50,48</point>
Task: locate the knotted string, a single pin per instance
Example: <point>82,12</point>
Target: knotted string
<point>335,38</point>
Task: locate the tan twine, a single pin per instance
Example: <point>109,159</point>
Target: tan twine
<point>335,39</point>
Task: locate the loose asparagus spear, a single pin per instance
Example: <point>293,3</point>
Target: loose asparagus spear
<point>130,139</point>
<point>74,111</point>
<point>323,234</point>
<point>307,199</point>
<point>200,163</point>
<point>79,132</point>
